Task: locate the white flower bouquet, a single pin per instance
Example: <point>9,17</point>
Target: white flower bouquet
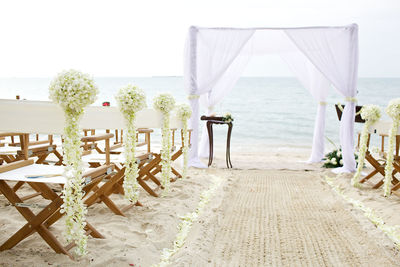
<point>371,114</point>
<point>227,117</point>
<point>73,91</point>
<point>393,110</point>
<point>334,159</point>
<point>130,100</point>
<point>184,112</point>
<point>165,103</point>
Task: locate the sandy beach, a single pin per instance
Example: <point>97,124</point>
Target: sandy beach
<point>272,209</point>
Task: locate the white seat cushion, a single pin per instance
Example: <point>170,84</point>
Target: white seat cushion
<point>21,174</point>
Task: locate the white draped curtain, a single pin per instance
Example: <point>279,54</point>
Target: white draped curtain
<point>334,51</point>
<point>318,56</point>
<point>211,60</point>
<point>312,79</point>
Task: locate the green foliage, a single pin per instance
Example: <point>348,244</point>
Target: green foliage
<point>334,159</point>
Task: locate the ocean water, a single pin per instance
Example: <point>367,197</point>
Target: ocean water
<point>267,111</point>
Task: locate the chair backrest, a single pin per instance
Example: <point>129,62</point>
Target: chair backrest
<point>44,117</point>
<point>382,127</point>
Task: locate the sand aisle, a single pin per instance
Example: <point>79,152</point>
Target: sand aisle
<point>281,218</point>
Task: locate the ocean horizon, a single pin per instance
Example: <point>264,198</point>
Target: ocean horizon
<point>267,111</point>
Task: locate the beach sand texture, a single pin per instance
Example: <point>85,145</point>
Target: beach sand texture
<point>271,210</point>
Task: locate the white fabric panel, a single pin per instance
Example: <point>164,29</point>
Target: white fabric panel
<point>36,169</point>
<point>316,83</point>
<point>115,158</point>
<point>381,127</point>
<point>318,145</point>
<point>222,88</point>
<point>209,55</point>
<point>318,56</point>
<point>45,117</point>
<point>25,116</point>
<point>98,117</point>
<point>334,51</point>
<point>9,150</point>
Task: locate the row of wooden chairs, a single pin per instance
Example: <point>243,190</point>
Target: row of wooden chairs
<point>379,161</point>
<point>102,153</point>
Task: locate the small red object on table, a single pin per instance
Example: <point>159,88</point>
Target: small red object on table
<point>210,122</point>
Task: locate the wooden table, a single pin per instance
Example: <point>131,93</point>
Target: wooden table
<point>210,122</point>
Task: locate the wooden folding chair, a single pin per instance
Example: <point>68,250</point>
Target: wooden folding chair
<point>40,149</point>
<point>379,164</point>
<point>115,184</point>
<point>145,161</point>
<point>118,143</point>
<point>156,168</point>
<point>114,174</point>
<point>49,213</point>
<point>99,118</point>
<point>45,117</point>
<point>148,119</point>
<point>23,150</point>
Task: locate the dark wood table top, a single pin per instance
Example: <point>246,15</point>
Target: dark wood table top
<point>218,120</point>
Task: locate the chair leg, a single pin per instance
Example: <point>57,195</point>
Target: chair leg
<point>369,176</point>
<point>34,222</point>
<point>102,193</point>
<point>147,188</point>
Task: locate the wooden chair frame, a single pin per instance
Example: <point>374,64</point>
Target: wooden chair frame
<point>41,149</point>
<point>379,165</point>
<point>49,214</point>
<point>156,168</point>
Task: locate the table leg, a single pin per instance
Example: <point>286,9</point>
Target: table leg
<point>228,147</point>
<point>210,139</point>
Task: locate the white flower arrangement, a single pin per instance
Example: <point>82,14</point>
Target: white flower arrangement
<point>165,103</point>
<point>371,114</point>
<point>334,158</point>
<point>184,112</point>
<point>130,100</point>
<point>73,91</point>
<point>227,118</point>
<point>393,110</point>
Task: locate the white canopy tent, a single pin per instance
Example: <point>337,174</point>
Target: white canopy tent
<point>318,56</point>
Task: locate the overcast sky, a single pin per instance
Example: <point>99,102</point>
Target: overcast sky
<point>146,38</point>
